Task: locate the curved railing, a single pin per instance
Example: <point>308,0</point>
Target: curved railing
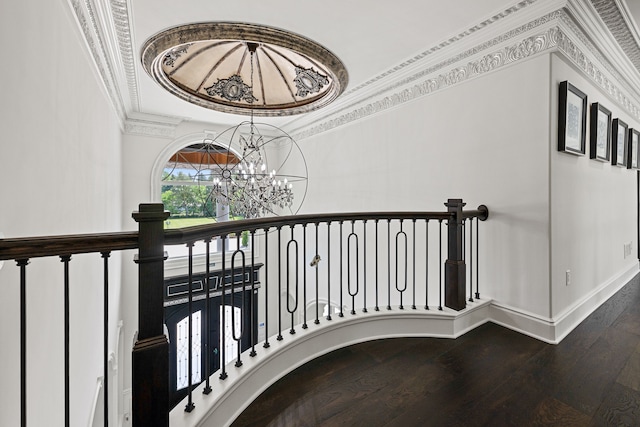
<point>282,277</point>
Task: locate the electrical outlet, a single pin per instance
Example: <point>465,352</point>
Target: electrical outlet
<point>627,249</point>
<point>567,277</point>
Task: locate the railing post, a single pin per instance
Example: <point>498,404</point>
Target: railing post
<point>455,268</point>
<point>150,372</point>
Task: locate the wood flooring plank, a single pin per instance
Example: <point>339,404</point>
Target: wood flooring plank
<point>551,412</point>
<point>490,376</point>
<point>620,408</point>
<point>630,374</point>
<point>586,385</point>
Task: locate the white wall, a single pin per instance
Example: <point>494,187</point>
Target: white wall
<point>593,207</point>
<point>60,157</point>
<point>485,141</point>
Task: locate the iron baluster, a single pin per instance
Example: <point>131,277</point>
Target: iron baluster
<point>237,337</point>
<point>279,337</point>
<point>377,308</point>
<point>317,259</point>
<point>477,257</point>
<point>223,312</point>
<point>471,260</point>
<point>440,265</point>
<point>105,334</point>
<point>190,405</point>
<point>349,269</point>
<point>253,298</point>
<point>266,288</point>
<point>329,270</point>
<point>22,263</point>
<point>304,277</point>
<point>402,234</point>
<point>207,307</point>
<point>426,263</point>
<point>388,264</point>
<point>65,259</point>
<point>413,257</point>
<point>291,310</point>
<point>364,268</point>
<point>341,314</point>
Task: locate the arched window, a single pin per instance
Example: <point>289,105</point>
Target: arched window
<point>187,191</point>
<point>188,181</point>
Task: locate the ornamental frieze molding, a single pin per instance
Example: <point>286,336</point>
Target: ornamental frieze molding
<point>452,40</point>
<point>485,64</point>
<point>422,82</point>
<point>553,39</point>
<point>150,128</point>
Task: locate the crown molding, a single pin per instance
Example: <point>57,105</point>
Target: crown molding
<point>126,59</point>
<point>598,36</point>
<point>520,43</point>
<point>152,125</point>
<point>617,18</point>
<point>88,17</point>
<point>556,31</point>
<point>576,46</point>
<point>414,62</point>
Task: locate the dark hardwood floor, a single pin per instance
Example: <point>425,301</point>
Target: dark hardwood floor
<point>489,377</point>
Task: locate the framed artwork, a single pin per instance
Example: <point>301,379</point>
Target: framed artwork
<point>619,137</point>
<point>572,119</point>
<point>632,149</point>
<point>600,133</point>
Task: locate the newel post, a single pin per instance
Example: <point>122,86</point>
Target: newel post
<point>455,268</point>
<point>150,358</point>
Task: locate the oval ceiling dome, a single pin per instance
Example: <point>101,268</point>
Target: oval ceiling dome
<point>244,68</point>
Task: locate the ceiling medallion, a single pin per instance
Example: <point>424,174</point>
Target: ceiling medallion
<point>208,64</point>
<point>232,89</point>
<point>309,81</point>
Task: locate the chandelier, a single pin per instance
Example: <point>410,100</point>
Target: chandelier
<point>250,184</point>
<point>253,70</point>
<point>255,182</point>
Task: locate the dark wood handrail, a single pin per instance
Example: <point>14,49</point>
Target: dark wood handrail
<point>482,213</point>
<point>200,232</point>
<point>35,247</point>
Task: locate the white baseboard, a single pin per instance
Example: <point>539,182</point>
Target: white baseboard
<point>574,315</point>
<point>553,330</point>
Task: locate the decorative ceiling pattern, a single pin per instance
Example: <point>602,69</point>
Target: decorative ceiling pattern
<point>244,68</point>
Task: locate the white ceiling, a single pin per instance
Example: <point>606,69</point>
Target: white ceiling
<point>370,37</point>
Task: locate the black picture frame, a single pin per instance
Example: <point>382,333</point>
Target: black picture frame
<point>600,147</point>
<point>572,119</point>
<point>620,134</point>
<point>633,150</point>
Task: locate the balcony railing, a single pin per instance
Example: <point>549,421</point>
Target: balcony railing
<point>344,263</point>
